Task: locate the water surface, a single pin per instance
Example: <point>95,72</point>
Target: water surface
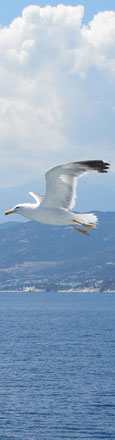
<point>57,366</point>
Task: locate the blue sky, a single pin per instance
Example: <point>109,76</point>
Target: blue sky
<point>9,9</point>
<point>57,87</point>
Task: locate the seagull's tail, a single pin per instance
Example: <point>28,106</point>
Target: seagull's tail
<point>88,220</point>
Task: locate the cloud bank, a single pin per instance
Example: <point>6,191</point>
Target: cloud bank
<point>57,87</point>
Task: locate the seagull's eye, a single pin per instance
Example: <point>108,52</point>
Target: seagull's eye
<point>17,207</point>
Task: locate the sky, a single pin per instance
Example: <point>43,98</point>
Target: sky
<point>57,86</point>
<point>12,9</point>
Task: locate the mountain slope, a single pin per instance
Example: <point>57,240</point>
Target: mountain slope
<point>46,257</point>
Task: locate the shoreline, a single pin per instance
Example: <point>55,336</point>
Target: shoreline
<point>58,291</point>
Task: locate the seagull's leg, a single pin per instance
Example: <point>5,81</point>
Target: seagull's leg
<point>83,224</point>
<point>80,230</point>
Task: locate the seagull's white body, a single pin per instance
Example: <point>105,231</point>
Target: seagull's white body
<point>55,207</point>
<point>47,215</point>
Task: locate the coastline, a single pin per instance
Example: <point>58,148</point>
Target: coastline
<point>30,290</point>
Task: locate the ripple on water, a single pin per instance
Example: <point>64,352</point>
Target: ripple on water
<point>57,366</point>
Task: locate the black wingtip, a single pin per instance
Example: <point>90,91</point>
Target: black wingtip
<point>98,165</point>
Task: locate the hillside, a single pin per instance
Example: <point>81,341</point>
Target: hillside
<point>58,258</point>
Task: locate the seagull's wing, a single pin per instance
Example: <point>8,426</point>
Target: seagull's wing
<point>37,197</point>
<point>61,182</point>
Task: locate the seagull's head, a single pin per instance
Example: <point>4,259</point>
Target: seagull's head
<point>18,209</point>
<point>25,209</point>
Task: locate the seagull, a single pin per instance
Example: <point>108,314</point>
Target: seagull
<point>55,208</point>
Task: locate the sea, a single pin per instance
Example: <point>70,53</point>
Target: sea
<point>57,366</point>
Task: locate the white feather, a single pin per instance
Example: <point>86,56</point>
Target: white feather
<point>37,197</point>
<point>61,184</point>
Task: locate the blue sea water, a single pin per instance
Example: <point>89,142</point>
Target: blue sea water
<point>57,366</point>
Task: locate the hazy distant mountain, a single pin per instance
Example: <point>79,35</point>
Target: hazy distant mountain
<point>45,257</point>
<point>95,192</point>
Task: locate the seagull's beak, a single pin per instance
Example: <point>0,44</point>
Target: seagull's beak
<point>9,212</point>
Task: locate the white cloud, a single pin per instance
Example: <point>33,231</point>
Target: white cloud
<point>56,90</point>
